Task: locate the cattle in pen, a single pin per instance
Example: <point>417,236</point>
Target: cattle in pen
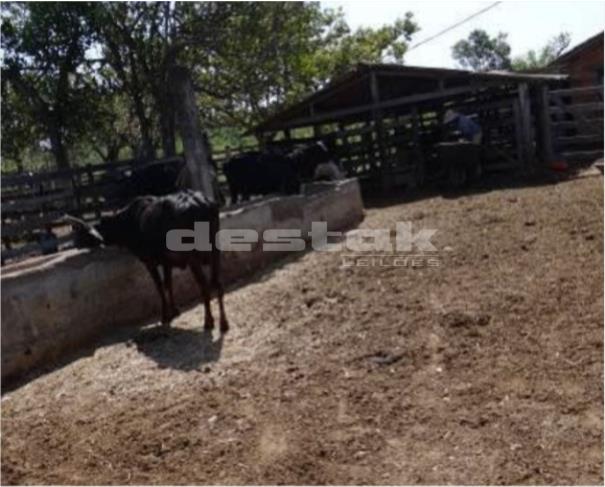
<point>272,171</point>
<point>141,227</point>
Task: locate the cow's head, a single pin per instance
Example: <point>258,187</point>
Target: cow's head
<point>85,235</point>
<point>308,157</point>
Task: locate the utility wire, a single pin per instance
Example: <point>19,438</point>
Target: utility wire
<point>476,14</point>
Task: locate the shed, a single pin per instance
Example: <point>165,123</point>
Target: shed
<point>383,120</point>
<point>583,63</point>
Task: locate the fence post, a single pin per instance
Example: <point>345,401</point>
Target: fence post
<point>546,148</point>
<point>95,193</point>
<point>524,119</point>
<point>195,148</point>
<point>378,122</point>
<point>518,134</point>
<point>76,193</point>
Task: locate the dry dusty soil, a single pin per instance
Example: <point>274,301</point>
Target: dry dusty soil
<point>485,369</point>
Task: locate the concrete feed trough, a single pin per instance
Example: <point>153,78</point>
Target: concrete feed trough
<point>55,304</point>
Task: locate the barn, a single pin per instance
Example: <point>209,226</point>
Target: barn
<point>384,122</point>
<point>577,125</point>
<point>583,64</point>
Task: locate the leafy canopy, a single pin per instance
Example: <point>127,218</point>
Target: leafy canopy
<point>534,60</point>
<point>480,52</point>
<point>90,80</point>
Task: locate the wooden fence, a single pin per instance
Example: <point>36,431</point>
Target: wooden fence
<point>398,145</point>
<point>574,124</point>
<point>33,203</point>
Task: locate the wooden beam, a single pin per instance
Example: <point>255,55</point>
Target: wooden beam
<point>518,133</point>
<point>581,139</point>
<point>396,102</point>
<point>525,121</point>
<point>545,127</point>
<point>574,91</point>
<point>571,124</point>
<point>579,108</point>
<point>416,150</point>
<point>377,116</point>
<point>582,156</point>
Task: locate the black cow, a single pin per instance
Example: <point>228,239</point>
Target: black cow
<point>163,178</point>
<point>141,227</point>
<point>261,173</point>
<point>156,179</point>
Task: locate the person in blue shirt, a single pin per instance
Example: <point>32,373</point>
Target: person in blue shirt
<point>468,128</point>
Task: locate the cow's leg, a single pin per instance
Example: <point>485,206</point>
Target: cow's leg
<point>198,274</point>
<point>155,275</point>
<point>218,286</point>
<point>172,309</point>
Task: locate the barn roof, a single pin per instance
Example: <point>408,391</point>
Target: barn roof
<point>579,49</point>
<point>350,94</point>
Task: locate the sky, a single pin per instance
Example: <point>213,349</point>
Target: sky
<point>529,24</point>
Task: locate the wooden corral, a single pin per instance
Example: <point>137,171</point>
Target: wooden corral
<point>31,202</point>
<point>573,126</point>
<point>383,121</point>
<point>576,111</point>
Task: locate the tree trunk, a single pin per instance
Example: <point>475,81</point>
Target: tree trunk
<point>167,127</point>
<point>146,150</point>
<point>197,152</point>
<point>58,148</point>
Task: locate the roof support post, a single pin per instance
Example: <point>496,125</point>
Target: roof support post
<point>527,149</point>
<point>419,166</point>
<point>545,128</point>
<point>377,117</point>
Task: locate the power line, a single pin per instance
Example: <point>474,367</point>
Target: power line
<point>476,14</point>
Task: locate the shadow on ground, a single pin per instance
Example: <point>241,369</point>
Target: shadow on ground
<point>178,348</point>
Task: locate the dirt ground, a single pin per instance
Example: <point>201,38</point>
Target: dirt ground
<point>485,369</point>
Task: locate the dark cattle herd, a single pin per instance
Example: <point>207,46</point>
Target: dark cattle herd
<point>272,171</point>
<point>142,225</point>
<point>253,173</point>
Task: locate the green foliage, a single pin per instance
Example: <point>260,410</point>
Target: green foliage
<point>342,51</point>
<point>45,74</point>
<point>480,52</point>
<point>90,80</point>
<point>534,60</point>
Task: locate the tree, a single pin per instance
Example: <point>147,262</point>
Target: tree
<point>44,69</point>
<point>93,77</point>
<point>534,60</point>
<point>308,45</point>
<point>480,52</point>
<point>387,43</point>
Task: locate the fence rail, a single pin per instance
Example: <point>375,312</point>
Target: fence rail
<point>33,203</point>
<point>575,123</point>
